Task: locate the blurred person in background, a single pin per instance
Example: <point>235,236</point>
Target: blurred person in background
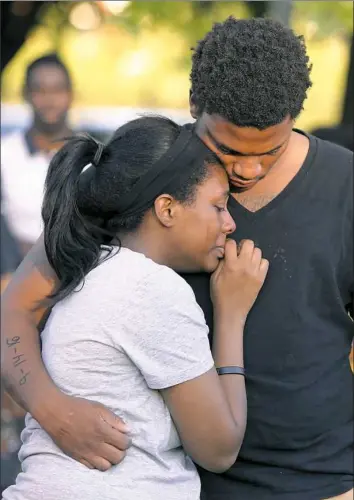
<point>10,254</point>
<point>291,194</point>
<point>11,414</point>
<point>342,135</point>
<point>25,155</point>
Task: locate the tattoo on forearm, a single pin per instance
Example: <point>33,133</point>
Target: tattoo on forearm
<point>18,358</point>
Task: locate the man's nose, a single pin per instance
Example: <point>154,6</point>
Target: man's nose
<point>247,170</point>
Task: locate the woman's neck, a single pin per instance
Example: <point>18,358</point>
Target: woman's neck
<point>149,243</point>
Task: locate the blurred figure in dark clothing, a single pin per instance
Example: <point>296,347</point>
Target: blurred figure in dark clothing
<point>342,135</point>
<point>10,254</point>
<point>11,414</point>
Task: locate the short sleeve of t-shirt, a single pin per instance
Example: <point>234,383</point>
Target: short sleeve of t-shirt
<point>165,334</point>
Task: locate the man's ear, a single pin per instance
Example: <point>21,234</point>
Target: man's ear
<point>192,106</point>
<point>166,210</point>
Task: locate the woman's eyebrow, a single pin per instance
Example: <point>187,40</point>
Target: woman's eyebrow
<point>233,152</point>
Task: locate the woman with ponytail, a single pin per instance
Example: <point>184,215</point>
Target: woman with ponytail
<point>121,222</point>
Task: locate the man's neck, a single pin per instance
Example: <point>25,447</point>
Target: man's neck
<point>48,141</point>
<point>279,177</point>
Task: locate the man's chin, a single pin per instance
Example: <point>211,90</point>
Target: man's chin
<point>51,126</point>
<point>50,122</point>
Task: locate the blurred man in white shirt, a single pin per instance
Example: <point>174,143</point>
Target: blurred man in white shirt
<point>25,155</point>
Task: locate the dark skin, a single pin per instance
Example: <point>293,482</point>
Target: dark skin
<point>259,163</point>
<point>50,96</point>
<point>85,429</point>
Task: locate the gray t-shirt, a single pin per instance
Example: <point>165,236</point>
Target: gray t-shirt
<point>134,328</point>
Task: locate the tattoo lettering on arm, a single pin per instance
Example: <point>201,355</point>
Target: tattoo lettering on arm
<point>24,306</point>
<point>18,358</point>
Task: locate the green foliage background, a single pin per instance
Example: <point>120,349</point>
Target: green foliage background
<point>141,57</point>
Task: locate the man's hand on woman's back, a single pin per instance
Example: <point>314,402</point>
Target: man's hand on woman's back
<point>86,431</point>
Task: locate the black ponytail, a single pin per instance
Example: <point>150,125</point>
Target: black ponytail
<point>80,209</point>
<point>72,242</point>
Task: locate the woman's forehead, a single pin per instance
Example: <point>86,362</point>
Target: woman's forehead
<point>216,184</point>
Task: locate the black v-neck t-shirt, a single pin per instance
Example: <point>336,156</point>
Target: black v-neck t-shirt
<point>299,437</point>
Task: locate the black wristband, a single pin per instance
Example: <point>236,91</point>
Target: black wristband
<point>231,370</point>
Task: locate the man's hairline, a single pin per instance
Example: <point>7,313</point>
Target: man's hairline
<point>27,83</point>
<point>233,152</point>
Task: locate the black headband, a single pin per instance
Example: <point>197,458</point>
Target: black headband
<point>176,162</point>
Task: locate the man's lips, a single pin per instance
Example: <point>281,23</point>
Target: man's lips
<point>240,183</point>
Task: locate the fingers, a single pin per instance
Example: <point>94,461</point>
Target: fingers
<point>112,454</point>
<point>86,463</point>
<point>246,252</point>
<point>239,246</point>
<point>250,252</point>
<point>256,257</point>
<point>114,421</point>
<point>114,437</point>
<point>246,249</point>
<point>107,456</point>
<point>231,245</point>
<point>100,463</point>
<point>230,250</point>
<point>263,268</point>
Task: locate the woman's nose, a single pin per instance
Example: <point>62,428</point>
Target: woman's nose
<point>229,224</point>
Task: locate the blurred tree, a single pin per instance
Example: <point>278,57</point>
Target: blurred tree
<point>281,11</point>
<point>202,6</point>
<point>190,19</point>
<point>55,18</point>
<point>330,17</point>
<point>17,19</point>
<point>342,133</point>
<point>257,9</point>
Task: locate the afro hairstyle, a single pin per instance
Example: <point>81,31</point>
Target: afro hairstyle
<point>251,72</point>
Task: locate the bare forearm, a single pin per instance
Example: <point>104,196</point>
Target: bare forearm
<point>22,369</point>
<point>22,310</point>
<point>228,351</point>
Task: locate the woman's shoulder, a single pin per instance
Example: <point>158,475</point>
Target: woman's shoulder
<point>128,285</point>
<point>129,271</point>
<point>162,281</point>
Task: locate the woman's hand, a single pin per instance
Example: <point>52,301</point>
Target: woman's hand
<point>236,282</point>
